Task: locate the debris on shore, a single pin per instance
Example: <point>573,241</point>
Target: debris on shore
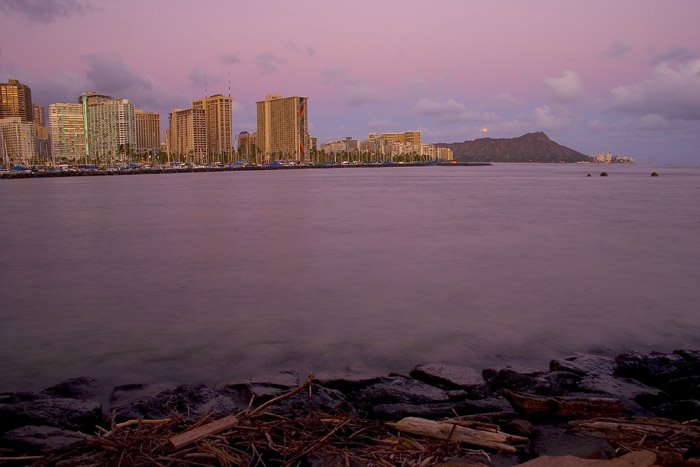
<point>592,410</point>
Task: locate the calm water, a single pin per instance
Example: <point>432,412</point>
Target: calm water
<point>215,276</point>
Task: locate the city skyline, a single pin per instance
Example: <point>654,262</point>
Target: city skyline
<point>622,77</point>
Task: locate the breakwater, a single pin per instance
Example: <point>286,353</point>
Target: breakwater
<point>43,172</point>
<point>513,414</point>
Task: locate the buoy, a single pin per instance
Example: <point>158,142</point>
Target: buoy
<point>603,174</point>
<point>588,175</point>
<point>654,174</point>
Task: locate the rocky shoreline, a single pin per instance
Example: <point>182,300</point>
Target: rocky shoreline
<point>547,408</point>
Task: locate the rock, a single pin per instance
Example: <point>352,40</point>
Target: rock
<point>188,401</point>
<point>633,459</point>
<point>457,394</point>
<point>488,405</point>
<point>620,388</point>
<point>521,427</point>
<point>42,439</point>
<point>121,395</point>
<point>321,400</point>
<point>682,410</point>
<point>584,364</point>
<point>281,379</point>
<point>657,368</point>
<point>40,409</point>
<point>401,390</point>
<point>346,383</point>
<point>654,174</point>
<point>83,388</point>
<point>555,440</point>
<point>398,411</point>
<point>603,174</point>
<point>683,388</point>
<point>546,384</point>
<point>447,376</point>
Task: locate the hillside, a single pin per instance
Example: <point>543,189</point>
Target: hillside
<point>531,147</point>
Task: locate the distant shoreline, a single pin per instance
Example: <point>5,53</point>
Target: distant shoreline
<point>45,172</point>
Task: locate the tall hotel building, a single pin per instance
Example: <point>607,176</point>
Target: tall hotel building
<point>147,132</point>
<point>110,127</point>
<point>16,101</point>
<point>283,128</point>
<point>187,135</point>
<point>17,145</point>
<point>67,132</point>
<point>217,117</point>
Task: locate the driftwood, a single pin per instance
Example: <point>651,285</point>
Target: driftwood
<point>451,431</point>
<point>660,435</point>
<point>564,407</point>
<point>196,434</point>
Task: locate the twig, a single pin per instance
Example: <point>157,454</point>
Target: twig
<point>284,396</point>
<point>315,444</point>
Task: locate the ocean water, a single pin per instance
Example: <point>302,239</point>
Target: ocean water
<point>219,276</point>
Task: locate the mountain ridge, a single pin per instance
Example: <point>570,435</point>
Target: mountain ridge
<point>530,147</point>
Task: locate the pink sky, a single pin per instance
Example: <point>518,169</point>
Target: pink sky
<point>621,76</point>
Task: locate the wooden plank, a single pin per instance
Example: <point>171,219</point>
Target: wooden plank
<point>456,433</point>
<point>194,435</point>
<point>566,407</point>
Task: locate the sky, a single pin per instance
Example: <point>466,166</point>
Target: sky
<point>595,75</point>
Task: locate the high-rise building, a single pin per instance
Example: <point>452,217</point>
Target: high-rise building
<point>246,146</point>
<point>41,134</point>
<point>16,100</point>
<point>147,132</point>
<point>410,137</point>
<point>18,146</point>
<point>67,133</point>
<point>110,127</point>
<point>217,115</point>
<point>283,128</point>
<point>38,113</point>
<point>187,135</point>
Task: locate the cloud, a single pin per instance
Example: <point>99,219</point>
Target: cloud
<point>362,93</point>
<point>618,50</point>
<point>294,47</point>
<point>451,111</point>
<point>673,93</point>
<point>356,91</point>
<point>568,87</point>
<point>229,59</point>
<point>675,54</point>
<point>268,62</point>
<point>337,77</point>
<point>543,118</point>
<point>378,125</point>
<point>45,11</point>
<point>109,75</point>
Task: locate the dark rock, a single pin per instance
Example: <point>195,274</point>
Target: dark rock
<point>346,383</point>
<point>401,410</point>
<point>554,440</point>
<point>71,414</point>
<point>447,376</point>
<point>488,405</point>
<point>546,384</point>
<point>83,388</point>
<point>401,390</point>
<point>521,427</point>
<point>657,368</point>
<point>42,439</point>
<point>584,364</point>
<point>683,388</point>
<point>457,394</point>
<point>188,401</point>
<point>681,410</point>
<point>618,387</point>
<point>244,393</point>
<point>121,395</point>
<point>281,379</point>
<point>321,400</point>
